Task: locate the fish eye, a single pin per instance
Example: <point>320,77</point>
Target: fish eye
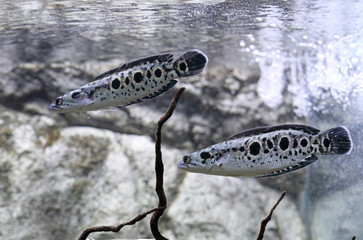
<point>186,159</point>
<point>59,101</point>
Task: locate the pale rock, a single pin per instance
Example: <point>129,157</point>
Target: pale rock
<point>56,181</point>
<point>215,207</point>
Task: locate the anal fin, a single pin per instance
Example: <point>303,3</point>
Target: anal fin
<point>166,88</point>
<point>155,94</point>
<point>308,160</point>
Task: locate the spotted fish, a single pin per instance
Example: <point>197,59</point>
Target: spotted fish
<point>268,151</point>
<point>131,83</point>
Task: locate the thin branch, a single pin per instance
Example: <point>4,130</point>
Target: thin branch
<point>159,169</point>
<point>139,217</point>
<point>268,217</point>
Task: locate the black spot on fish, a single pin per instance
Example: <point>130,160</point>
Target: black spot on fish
<point>264,139</point>
<point>266,151</point>
<point>115,83</point>
<point>242,149</point>
<point>255,148</point>
<point>127,81</point>
<point>285,157</point>
<point>290,153</point>
<point>303,142</point>
<point>75,95</point>
<point>138,77</point>
<point>182,66</point>
<point>326,142</point>
<point>157,73</point>
<point>295,144</point>
<point>234,149</point>
<point>205,155</point>
<point>148,74</point>
<point>284,143</point>
<point>249,158</point>
<point>269,144</point>
<point>90,94</point>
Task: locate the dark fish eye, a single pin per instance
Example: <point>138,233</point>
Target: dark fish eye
<point>186,159</point>
<point>59,101</point>
<point>75,95</point>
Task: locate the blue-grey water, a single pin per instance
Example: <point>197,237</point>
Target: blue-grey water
<point>311,49</point>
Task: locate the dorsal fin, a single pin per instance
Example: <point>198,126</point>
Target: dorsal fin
<point>167,58</point>
<point>267,129</point>
<point>304,163</point>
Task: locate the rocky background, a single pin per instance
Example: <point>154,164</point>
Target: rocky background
<point>62,173</point>
<point>271,62</point>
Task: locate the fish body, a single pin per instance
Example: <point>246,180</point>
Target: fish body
<point>268,151</point>
<point>131,83</point>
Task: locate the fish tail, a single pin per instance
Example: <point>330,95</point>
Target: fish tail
<point>191,63</point>
<point>339,140</point>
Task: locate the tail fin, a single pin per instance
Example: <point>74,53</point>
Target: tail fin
<point>191,63</point>
<point>339,139</point>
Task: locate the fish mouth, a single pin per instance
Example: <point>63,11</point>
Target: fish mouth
<point>53,107</point>
<point>182,165</point>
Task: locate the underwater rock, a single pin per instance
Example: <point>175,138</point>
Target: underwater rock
<point>215,207</point>
<point>216,104</point>
<point>57,180</point>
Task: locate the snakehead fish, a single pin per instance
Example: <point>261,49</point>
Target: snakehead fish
<point>268,151</point>
<point>132,82</point>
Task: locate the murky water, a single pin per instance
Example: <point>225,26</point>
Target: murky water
<point>311,50</point>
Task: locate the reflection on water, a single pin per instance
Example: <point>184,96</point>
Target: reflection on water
<point>310,51</point>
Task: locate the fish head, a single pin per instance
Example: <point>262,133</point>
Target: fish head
<point>73,101</point>
<point>199,162</point>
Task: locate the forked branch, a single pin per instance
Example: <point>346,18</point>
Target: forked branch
<point>159,170</point>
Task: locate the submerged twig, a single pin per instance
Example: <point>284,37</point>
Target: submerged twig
<point>268,217</point>
<point>159,168</point>
<point>117,228</point>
